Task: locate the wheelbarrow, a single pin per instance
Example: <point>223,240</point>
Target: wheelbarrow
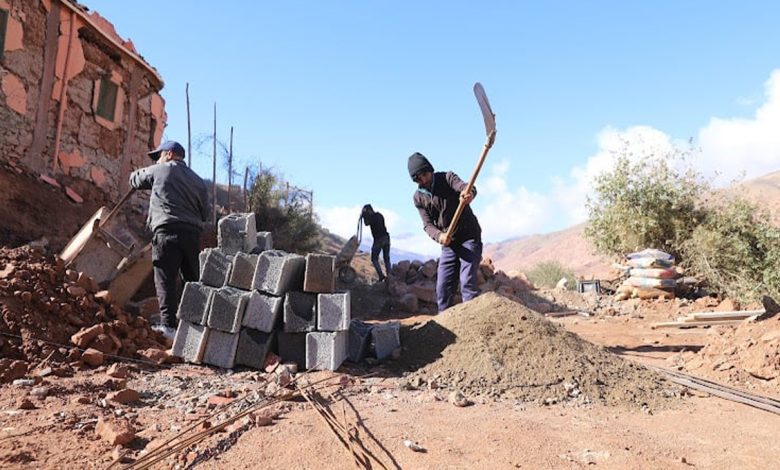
<point>346,273</point>
<point>101,245</point>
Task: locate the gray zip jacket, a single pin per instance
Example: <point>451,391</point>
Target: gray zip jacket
<point>178,196</point>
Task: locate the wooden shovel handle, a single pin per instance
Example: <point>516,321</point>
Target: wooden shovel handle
<point>117,207</point>
<point>462,206</point>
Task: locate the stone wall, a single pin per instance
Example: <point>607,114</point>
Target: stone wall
<point>49,46</point>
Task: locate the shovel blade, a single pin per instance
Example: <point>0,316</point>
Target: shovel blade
<point>484,106</point>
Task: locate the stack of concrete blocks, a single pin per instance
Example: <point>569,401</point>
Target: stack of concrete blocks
<point>212,311</point>
<point>248,292</point>
<point>316,319</point>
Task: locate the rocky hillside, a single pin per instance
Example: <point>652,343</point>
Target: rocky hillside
<point>570,248</point>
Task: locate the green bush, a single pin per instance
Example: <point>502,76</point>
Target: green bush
<point>737,250</point>
<point>548,273</point>
<point>286,212</point>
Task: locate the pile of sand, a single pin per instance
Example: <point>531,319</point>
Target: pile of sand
<point>493,346</point>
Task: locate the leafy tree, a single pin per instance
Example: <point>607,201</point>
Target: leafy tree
<point>285,211</point>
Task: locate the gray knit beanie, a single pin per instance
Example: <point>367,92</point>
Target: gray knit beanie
<point>418,163</point>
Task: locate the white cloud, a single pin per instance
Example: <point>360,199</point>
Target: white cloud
<point>506,212</point>
<point>733,146</point>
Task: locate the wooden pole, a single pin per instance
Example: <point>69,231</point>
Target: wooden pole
<point>189,127</point>
<point>214,166</point>
<point>230,171</point>
<point>246,176</point>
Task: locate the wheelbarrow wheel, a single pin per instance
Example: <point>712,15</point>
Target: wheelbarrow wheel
<point>347,275</point>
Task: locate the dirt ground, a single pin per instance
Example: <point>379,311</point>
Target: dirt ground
<point>691,430</point>
<point>49,420</point>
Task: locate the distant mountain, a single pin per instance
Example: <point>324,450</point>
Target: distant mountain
<point>570,248</point>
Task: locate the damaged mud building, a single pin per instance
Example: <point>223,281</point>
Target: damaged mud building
<point>78,104</point>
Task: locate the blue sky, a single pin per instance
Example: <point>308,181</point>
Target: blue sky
<point>336,95</point>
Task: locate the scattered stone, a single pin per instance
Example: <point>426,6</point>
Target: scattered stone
<point>271,362</point>
<point>456,398</point>
<point>24,403</point>
<point>124,397</point>
<point>40,392</point>
<point>93,357</point>
<point>81,400</point>
<point>217,401</point>
<point>118,371</point>
<point>158,356</point>
<point>115,432</point>
<point>414,446</point>
<point>23,383</point>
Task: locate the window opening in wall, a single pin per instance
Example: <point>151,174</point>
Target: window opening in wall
<point>106,106</point>
<point>3,23</point>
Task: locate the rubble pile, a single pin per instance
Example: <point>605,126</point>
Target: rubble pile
<point>495,347</point>
<point>46,309</point>
<point>738,353</point>
<point>412,284</point>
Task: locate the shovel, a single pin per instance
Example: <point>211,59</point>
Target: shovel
<point>490,130</point>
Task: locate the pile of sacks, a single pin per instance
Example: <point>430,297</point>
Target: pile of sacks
<point>651,274</point>
<point>412,284</point>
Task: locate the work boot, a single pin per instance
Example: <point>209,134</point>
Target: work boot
<point>168,332</point>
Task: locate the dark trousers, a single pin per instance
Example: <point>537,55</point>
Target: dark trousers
<point>174,252</point>
<point>382,244</point>
<point>458,261</point>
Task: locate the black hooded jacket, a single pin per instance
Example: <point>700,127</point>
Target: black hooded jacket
<point>438,206</point>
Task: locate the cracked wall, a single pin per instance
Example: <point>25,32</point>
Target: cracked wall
<point>50,50</point>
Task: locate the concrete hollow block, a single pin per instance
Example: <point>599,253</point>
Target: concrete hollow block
<point>190,341</point>
<point>226,310</point>
<point>221,349</point>
<point>237,232</point>
<point>215,267</point>
<point>320,275</point>
<point>333,312</point>
<point>300,312</point>
<point>278,272</point>
<point>326,350</point>
<point>253,346</point>
<point>194,304</point>
<point>243,271</point>
<point>262,311</point>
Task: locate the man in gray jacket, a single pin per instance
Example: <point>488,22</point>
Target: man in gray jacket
<point>178,207</point>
